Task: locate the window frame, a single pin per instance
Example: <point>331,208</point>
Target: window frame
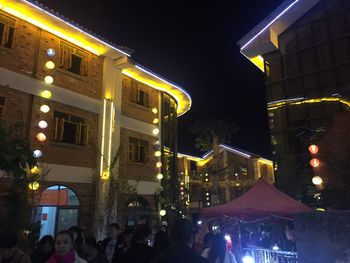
<point>8,23</point>
<point>135,152</point>
<point>81,135</point>
<point>135,97</point>
<point>66,59</point>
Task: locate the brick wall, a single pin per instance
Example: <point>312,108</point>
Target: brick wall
<point>28,57</point>
<point>133,170</point>
<point>64,153</point>
<point>133,110</point>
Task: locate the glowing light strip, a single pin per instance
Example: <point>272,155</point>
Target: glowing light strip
<point>163,80</point>
<point>265,161</point>
<point>180,108</point>
<point>103,136</point>
<point>110,136</point>
<point>235,151</point>
<point>82,31</point>
<point>189,157</point>
<point>269,24</point>
<point>282,103</point>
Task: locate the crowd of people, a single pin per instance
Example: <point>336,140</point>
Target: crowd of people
<point>128,245</point>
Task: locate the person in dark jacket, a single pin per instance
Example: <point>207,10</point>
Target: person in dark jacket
<point>109,245</point>
<point>139,252</point>
<point>181,236</point>
<point>9,252</point>
<point>91,254</point>
<point>44,251</point>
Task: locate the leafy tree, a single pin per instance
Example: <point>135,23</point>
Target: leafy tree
<point>16,159</point>
<point>210,134</point>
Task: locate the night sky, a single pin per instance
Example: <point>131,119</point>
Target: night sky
<point>191,43</point>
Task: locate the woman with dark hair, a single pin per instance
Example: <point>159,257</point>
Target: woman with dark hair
<point>44,250</point>
<point>218,252</point>
<point>64,246</point>
<point>78,237</point>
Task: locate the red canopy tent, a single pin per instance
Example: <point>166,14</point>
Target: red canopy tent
<point>261,200</point>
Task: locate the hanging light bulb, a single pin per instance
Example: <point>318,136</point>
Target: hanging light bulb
<point>316,180</point>
<point>44,108</point>
<point>313,149</point>
<point>42,124</point>
<point>159,164</point>
<point>155,110</point>
<point>162,212</point>
<point>37,153</point>
<point>157,153</point>
<point>34,186</point>
<point>41,137</point>
<point>159,176</point>
<point>50,65</point>
<point>50,52</point>
<point>155,120</point>
<point>155,131</point>
<point>48,79</point>
<point>46,94</point>
<point>314,162</point>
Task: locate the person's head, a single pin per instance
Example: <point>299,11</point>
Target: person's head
<point>141,233</point>
<point>208,237</point>
<point>64,243</point>
<point>46,244</point>
<point>182,232</point>
<point>217,248</point>
<point>77,234</point>
<point>90,245</point>
<point>125,237</point>
<point>113,230</point>
<point>8,243</point>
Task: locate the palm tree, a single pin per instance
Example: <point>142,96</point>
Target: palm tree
<point>210,134</point>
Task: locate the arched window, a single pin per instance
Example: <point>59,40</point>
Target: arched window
<point>58,209</point>
<point>137,210</point>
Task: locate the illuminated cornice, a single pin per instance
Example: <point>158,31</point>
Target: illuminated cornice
<point>43,19</point>
<point>265,161</point>
<point>148,78</point>
<point>263,38</point>
<point>299,101</point>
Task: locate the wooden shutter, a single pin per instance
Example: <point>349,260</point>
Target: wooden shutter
<point>58,125</point>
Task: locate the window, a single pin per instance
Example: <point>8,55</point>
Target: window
<point>69,128</point>
<point>7,31</point>
<point>138,150</point>
<point>73,59</point>
<point>2,105</point>
<point>139,95</point>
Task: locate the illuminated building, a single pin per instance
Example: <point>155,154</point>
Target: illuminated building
<point>239,170</point>
<point>93,103</point>
<point>304,50</point>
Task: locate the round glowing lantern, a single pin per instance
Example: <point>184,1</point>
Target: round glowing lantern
<point>157,153</point>
<point>155,120</point>
<point>155,110</point>
<point>37,153</point>
<point>51,52</point>
<point>162,212</point>
<point>46,94</point>
<point>313,149</point>
<point>41,137</point>
<point>50,65</point>
<point>159,176</point>
<point>316,180</point>
<point>155,131</point>
<point>42,124</point>
<point>34,186</point>
<point>314,162</point>
<point>159,164</point>
<point>44,108</point>
<point>48,79</point>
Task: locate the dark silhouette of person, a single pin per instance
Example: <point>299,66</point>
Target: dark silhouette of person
<point>44,250</point>
<point>92,255</point>
<point>139,252</point>
<point>181,237</point>
<point>9,252</point>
